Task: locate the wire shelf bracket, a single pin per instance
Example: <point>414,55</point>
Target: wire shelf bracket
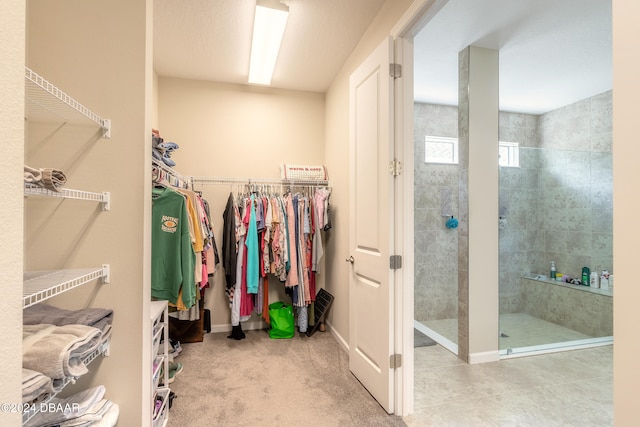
<point>53,102</point>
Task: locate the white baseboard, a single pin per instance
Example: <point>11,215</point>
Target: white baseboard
<point>246,326</point>
<point>338,337</point>
<point>484,357</point>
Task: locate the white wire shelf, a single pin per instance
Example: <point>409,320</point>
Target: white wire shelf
<point>39,286</point>
<point>67,193</point>
<point>45,102</point>
<point>103,349</point>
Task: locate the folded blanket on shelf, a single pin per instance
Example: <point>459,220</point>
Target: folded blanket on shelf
<point>58,351</point>
<point>51,179</point>
<point>73,408</point>
<point>100,318</point>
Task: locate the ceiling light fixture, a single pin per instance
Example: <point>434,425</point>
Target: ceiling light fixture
<point>268,29</point>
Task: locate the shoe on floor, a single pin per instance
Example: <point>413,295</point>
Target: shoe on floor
<point>174,348</point>
<point>174,369</point>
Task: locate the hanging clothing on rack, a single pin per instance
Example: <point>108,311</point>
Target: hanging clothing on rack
<point>230,246</point>
<point>271,234</point>
<point>173,258</point>
<point>253,264</point>
<point>194,218</point>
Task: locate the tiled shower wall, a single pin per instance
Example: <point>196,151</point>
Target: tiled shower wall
<point>577,187</point>
<point>558,205</point>
<point>436,194</point>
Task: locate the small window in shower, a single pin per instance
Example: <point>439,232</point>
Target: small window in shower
<point>509,154</point>
<point>441,149</point>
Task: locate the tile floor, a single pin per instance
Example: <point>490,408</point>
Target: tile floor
<point>523,330</point>
<point>572,388</point>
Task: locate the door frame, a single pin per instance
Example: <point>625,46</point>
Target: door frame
<point>414,19</point>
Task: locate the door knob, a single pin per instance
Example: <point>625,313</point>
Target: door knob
<point>350,259</point>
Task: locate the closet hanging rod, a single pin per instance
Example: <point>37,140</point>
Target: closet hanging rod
<point>259,181</point>
<point>170,171</point>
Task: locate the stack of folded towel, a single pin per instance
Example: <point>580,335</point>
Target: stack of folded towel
<point>55,343</point>
<point>58,351</point>
<point>100,318</point>
<point>51,179</point>
<point>36,385</point>
<point>87,408</point>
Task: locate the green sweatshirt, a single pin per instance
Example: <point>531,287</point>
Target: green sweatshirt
<point>172,257</point>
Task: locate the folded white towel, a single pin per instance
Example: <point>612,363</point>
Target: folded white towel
<point>72,408</point>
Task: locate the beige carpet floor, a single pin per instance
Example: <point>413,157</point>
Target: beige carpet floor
<point>258,381</point>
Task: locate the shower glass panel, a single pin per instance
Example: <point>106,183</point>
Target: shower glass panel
<point>557,205</point>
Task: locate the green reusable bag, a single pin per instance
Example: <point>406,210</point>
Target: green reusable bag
<point>282,322</point>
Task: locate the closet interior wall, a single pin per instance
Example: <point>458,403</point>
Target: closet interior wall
<point>227,130</point>
<point>98,52</point>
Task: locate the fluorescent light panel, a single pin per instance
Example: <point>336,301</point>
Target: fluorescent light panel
<point>268,29</point>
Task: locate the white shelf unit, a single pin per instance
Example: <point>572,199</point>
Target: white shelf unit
<point>159,316</point>
<point>67,193</point>
<point>46,103</point>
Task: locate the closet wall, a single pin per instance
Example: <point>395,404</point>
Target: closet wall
<point>237,131</point>
<point>12,23</point>
<point>100,53</point>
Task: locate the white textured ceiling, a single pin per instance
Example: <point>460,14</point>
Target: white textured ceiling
<point>552,52</point>
<point>211,40</point>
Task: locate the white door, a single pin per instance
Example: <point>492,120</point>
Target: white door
<point>371,226</point>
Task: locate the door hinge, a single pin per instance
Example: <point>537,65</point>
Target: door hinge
<point>395,262</point>
<point>395,167</point>
<point>395,70</point>
<point>395,361</point>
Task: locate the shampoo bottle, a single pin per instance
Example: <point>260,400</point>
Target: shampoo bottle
<point>552,271</point>
<point>593,281</point>
<point>586,273</point>
<point>604,280</point>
